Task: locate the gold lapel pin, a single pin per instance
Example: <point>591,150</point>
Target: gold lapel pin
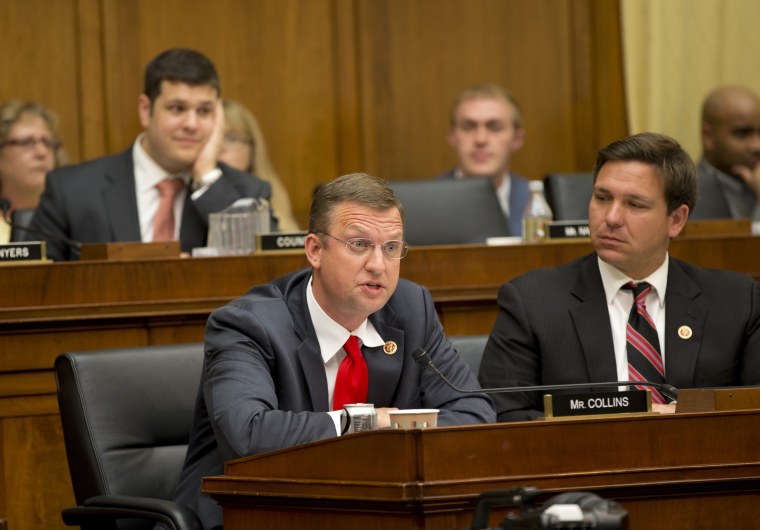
<point>685,332</point>
<point>390,347</point>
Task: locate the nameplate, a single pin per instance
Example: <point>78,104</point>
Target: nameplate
<point>589,404</point>
<point>23,252</point>
<point>279,241</point>
<point>569,230</point>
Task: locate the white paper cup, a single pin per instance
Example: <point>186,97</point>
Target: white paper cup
<point>413,418</point>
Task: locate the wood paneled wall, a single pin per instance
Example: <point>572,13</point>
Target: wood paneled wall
<point>338,85</point>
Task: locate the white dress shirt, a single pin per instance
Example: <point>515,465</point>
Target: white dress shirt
<point>332,336</point>
<point>147,174</point>
<point>619,303</point>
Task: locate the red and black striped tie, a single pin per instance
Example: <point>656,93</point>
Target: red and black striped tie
<point>643,345</point>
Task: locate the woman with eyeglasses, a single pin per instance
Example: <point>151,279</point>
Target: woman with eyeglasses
<point>29,148</point>
<point>244,149</point>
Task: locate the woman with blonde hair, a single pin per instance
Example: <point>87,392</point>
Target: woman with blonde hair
<point>244,149</point>
<point>29,149</point>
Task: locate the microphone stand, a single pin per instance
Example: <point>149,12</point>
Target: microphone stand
<point>423,358</point>
<point>5,206</point>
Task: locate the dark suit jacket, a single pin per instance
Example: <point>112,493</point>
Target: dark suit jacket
<point>518,198</point>
<point>96,202</point>
<point>264,387</point>
<point>553,327</point>
<point>711,203</point>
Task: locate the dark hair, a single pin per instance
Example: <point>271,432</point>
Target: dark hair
<point>360,188</point>
<point>671,162</point>
<point>180,65</point>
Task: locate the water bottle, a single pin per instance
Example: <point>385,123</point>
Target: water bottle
<point>537,214</point>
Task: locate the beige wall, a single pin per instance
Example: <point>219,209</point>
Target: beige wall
<point>338,85</point>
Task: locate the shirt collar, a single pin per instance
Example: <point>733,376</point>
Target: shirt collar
<point>147,171</point>
<point>613,279</point>
<point>331,335</point>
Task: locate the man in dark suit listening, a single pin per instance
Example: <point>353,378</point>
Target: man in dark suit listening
<point>275,357</point>
<point>486,129</point>
<point>569,324</point>
<point>729,170</point>
<point>118,197</point>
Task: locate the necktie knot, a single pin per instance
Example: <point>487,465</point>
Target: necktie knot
<point>169,187</point>
<point>638,288</point>
<point>640,292</point>
<point>352,347</point>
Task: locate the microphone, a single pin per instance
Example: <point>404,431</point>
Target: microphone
<point>422,358</point>
<point>5,206</point>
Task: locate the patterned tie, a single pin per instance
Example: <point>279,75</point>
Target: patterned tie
<point>351,383</point>
<point>163,222</point>
<point>643,345</point>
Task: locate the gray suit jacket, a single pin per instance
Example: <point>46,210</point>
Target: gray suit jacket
<point>95,202</point>
<point>712,202</point>
<point>553,327</point>
<point>264,386</point>
<point>518,198</point>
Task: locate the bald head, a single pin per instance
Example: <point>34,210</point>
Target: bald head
<point>731,128</point>
<point>728,100</point>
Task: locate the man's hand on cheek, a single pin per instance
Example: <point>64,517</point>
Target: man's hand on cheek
<point>750,176</point>
<point>209,153</point>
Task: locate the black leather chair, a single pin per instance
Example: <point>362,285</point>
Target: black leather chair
<point>568,195</point>
<point>470,348</point>
<point>450,211</point>
<point>21,218</point>
<point>126,416</point>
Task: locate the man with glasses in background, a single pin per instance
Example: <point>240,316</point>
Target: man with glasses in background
<point>282,360</point>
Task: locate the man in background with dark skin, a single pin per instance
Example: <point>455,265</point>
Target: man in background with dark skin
<point>729,171</point>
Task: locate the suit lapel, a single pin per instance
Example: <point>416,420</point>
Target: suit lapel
<point>192,230</point>
<point>314,374</point>
<point>682,311</point>
<point>592,322</point>
<point>384,368</point>
<point>120,200</point>
<point>308,350</point>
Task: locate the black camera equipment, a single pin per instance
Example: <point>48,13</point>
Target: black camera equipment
<point>572,510</point>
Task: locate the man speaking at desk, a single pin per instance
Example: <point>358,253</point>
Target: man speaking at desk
<point>628,311</point>
<point>283,359</point>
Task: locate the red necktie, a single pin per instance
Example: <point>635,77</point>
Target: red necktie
<point>163,222</point>
<point>644,357</point>
<point>351,383</point>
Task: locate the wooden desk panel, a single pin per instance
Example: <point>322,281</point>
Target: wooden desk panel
<point>50,308</point>
<point>670,471</point>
